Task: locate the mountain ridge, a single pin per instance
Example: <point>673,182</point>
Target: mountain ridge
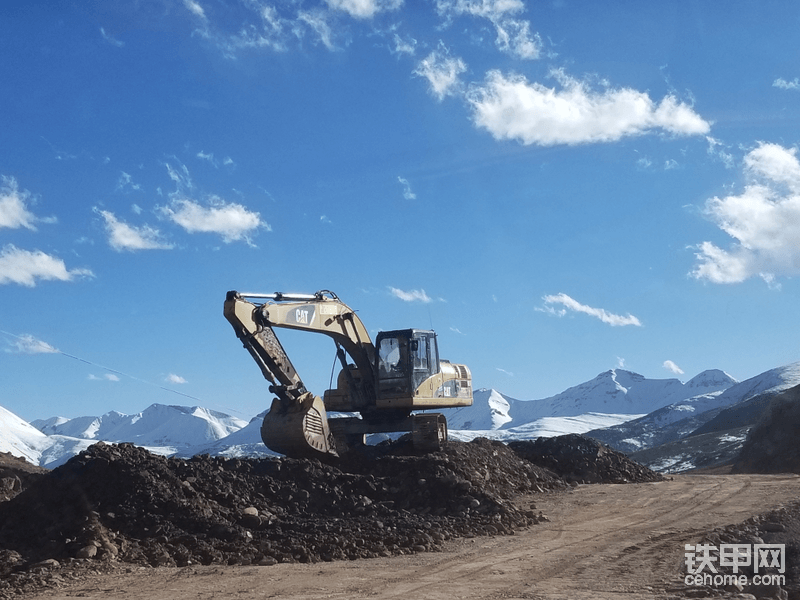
<point>185,431</point>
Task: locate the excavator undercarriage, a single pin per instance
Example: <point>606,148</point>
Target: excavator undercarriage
<point>385,384</point>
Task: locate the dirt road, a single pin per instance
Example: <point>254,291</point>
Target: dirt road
<point>602,542</point>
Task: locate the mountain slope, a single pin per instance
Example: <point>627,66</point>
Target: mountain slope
<point>677,420</point>
<point>619,392</point>
<point>158,425</point>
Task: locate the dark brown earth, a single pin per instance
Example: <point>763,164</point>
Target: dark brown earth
<point>119,504</point>
<point>16,474</point>
<point>119,510</point>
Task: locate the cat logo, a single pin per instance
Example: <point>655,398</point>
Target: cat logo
<point>302,315</point>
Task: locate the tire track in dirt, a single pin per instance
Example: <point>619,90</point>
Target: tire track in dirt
<point>578,549</point>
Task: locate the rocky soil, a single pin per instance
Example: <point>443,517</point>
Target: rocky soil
<point>580,459</point>
<point>120,507</point>
<point>781,526</point>
<point>16,474</point>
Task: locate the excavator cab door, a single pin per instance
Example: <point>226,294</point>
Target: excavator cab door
<point>405,359</point>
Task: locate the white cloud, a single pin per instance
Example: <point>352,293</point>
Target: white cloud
<point>195,8</point>
<point>318,22</point>
<point>404,46</point>
<point>25,267</point>
<point>126,181</point>
<point>716,149</point>
<point>575,306</point>
<point>272,33</point>
<point>364,9</point>
<point>411,295</point>
<point>510,107</point>
<point>28,344</point>
<point>408,194</point>
<point>763,220</point>
<point>230,220</point>
<point>209,156</point>
<point>122,236</point>
<point>787,85</point>
<point>110,39</point>
<point>180,176</point>
<point>14,211</point>
<point>672,367</point>
<point>509,373</point>
<point>106,377</point>
<point>513,35</point>
<point>442,72</point>
<point>173,378</point>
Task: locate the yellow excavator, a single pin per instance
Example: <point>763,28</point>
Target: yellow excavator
<point>386,383</point>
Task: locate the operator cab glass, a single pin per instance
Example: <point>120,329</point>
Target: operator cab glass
<point>406,358</point>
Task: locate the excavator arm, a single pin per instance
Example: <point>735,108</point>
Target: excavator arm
<point>297,423</point>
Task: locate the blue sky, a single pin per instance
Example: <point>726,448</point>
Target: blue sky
<point>557,188</point>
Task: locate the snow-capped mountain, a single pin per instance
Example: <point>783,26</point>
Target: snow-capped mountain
<point>244,442</point>
<point>489,410</point>
<point>158,425</point>
<point>620,392</point>
<point>22,439</point>
<point>681,418</point>
<point>612,401</point>
<point>615,392</point>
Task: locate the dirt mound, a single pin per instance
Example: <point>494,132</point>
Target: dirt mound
<point>583,460</point>
<point>16,474</point>
<point>117,503</point>
<point>771,445</point>
<point>780,526</point>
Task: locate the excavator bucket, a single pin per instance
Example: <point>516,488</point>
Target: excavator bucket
<point>298,430</point>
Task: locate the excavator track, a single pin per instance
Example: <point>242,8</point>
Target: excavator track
<point>429,432</point>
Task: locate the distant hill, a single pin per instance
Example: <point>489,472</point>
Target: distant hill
<point>158,425</point>
<point>680,419</point>
<point>772,443</point>
<point>618,407</point>
<point>616,392</point>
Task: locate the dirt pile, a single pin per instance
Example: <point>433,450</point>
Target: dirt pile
<point>120,503</point>
<point>116,505</point>
<point>16,474</point>
<point>771,445</point>
<point>580,459</point>
<point>781,526</point>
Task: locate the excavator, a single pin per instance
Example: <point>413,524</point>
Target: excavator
<point>386,383</point>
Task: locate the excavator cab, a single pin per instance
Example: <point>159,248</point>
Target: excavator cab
<point>406,358</point>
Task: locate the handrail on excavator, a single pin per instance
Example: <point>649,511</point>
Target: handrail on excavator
<point>281,297</point>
